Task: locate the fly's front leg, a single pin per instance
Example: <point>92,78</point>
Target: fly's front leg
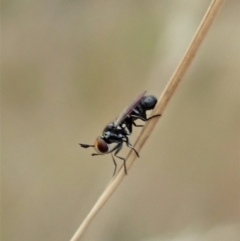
<point>115,164</point>
<point>119,147</point>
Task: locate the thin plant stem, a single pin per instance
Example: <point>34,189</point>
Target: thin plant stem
<point>160,107</point>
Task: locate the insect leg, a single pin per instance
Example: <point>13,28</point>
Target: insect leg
<point>136,124</point>
<point>115,164</point>
<point>119,147</point>
<point>130,145</point>
<point>153,116</point>
<point>144,119</point>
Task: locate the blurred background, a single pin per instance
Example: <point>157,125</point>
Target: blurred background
<point>68,69</point>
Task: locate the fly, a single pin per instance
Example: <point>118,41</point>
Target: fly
<point>117,132</point>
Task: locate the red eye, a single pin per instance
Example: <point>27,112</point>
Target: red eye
<point>101,146</point>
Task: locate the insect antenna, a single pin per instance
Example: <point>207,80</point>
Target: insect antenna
<point>85,145</point>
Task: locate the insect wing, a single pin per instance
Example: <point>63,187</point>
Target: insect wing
<point>128,110</point>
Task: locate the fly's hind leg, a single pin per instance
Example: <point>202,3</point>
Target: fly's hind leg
<point>143,118</point>
<point>158,115</point>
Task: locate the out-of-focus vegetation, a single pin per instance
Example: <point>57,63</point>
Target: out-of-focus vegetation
<point>69,68</point>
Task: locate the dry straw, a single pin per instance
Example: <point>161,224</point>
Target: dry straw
<point>161,105</point>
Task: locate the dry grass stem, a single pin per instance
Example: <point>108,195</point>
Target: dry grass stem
<point>161,105</point>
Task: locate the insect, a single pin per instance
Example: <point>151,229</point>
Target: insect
<point>117,132</point>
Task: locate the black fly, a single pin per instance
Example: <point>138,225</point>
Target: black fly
<point>118,131</point>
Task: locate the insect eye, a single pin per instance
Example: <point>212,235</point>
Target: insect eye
<point>101,146</point>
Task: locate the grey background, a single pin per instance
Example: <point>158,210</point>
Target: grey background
<point>69,68</point>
